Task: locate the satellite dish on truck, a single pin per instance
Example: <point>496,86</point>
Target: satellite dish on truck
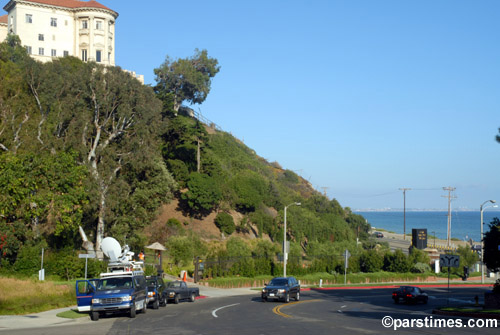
<point>111,248</point>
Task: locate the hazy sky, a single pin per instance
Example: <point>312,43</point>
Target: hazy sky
<point>362,97</point>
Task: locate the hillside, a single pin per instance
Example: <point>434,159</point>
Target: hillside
<point>83,145</point>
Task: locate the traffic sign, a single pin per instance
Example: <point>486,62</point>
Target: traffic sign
<point>452,261</point>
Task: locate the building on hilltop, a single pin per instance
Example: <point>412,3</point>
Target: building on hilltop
<point>58,28</point>
<point>3,27</point>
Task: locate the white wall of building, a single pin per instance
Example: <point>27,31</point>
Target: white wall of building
<point>51,31</point>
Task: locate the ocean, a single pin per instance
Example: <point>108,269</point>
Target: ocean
<point>464,225</point>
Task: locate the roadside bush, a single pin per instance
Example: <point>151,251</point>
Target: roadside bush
<point>421,268</point>
<point>371,261</point>
<point>225,223</point>
<point>397,262</point>
<point>28,260</point>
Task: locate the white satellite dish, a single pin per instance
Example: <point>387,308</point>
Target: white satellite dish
<point>111,248</point>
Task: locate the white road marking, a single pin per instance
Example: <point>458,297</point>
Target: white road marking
<point>214,312</point>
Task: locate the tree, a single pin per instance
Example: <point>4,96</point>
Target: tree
<point>491,246</point>
<point>186,79</point>
<point>203,193</point>
<point>225,223</point>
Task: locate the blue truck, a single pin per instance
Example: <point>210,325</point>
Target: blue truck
<point>113,292</point>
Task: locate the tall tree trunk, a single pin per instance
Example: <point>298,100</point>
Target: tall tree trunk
<point>100,221</point>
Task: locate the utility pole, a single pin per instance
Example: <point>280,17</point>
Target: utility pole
<point>324,190</point>
<point>404,210</point>
<point>449,196</point>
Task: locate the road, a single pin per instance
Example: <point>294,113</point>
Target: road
<point>353,311</point>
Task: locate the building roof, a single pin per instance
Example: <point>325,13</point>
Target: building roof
<point>4,19</point>
<point>74,4</point>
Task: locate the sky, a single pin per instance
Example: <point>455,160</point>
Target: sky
<point>359,97</point>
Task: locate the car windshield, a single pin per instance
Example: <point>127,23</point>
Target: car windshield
<point>114,283</point>
<point>278,282</point>
<point>151,282</point>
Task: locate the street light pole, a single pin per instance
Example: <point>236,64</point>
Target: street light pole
<point>482,237</point>
<point>285,252</point>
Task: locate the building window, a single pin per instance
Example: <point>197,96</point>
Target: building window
<point>40,51</point>
<point>28,49</point>
<point>85,24</point>
<point>53,53</point>
<point>53,22</point>
<point>66,53</point>
<point>98,25</point>
<point>109,57</point>
<point>29,18</point>
<point>98,56</point>
<point>84,55</point>
<point>40,37</point>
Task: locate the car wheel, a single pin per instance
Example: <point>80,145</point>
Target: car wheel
<point>144,307</point>
<point>287,297</point>
<point>297,296</point>
<point>193,297</point>
<point>156,304</point>
<point>176,299</point>
<point>264,299</point>
<point>396,300</point>
<point>163,302</point>
<point>94,316</point>
<point>425,300</point>
<point>132,311</point>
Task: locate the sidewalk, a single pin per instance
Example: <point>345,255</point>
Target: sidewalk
<point>50,318</point>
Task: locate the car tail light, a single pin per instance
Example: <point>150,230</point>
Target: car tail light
<point>409,296</point>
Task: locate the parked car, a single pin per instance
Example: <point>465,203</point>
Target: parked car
<point>409,294</point>
<point>379,234</point>
<point>281,288</point>
<point>178,290</point>
<point>156,297</point>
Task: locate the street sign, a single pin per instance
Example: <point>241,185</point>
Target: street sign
<point>452,261</point>
<point>86,255</point>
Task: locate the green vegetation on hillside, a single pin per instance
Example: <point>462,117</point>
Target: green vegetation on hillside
<point>84,145</point>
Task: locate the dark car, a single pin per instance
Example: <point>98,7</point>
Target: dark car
<point>156,297</point>
<point>409,294</point>
<point>281,288</point>
<point>178,290</point>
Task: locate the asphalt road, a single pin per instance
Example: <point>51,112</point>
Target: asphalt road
<point>354,311</point>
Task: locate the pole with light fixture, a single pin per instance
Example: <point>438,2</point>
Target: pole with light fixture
<point>482,236</point>
<point>285,252</point>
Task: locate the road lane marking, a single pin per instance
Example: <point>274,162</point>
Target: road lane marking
<point>214,312</point>
<point>276,310</point>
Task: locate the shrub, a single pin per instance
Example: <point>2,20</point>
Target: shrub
<point>250,189</point>
<point>421,268</point>
<point>396,262</point>
<point>179,170</point>
<point>370,261</point>
<point>203,194</point>
<point>225,223</point>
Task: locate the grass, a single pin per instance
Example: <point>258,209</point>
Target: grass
<point>24,296</point>
<point>72,314</point>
